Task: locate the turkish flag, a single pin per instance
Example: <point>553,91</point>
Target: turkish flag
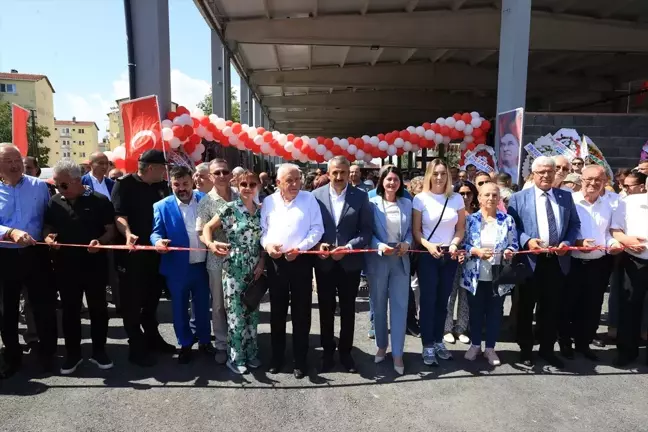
<point>142,129</point>
<point>19,118</point>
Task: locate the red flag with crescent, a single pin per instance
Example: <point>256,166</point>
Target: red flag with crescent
<point>142,129</point>
<point>19,118</point>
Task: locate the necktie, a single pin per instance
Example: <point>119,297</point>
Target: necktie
<point>551,219</point>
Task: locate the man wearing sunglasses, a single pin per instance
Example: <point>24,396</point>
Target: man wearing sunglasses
<point>79,216</point>
<point>563,167</point>
<point>219,196</point>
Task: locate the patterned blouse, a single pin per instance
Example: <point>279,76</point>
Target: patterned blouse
<point>207,209</point>
<point>506,239</point>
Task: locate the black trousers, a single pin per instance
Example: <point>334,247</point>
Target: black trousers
<point>91,281</point>
<point>31,267</point>
<point>543,290</point>
<point>584,294</point>
<point>412,317</point>
<point>344,285</point>
<point>631,300</point>
<point>139,297</point>
<point>290,283</point>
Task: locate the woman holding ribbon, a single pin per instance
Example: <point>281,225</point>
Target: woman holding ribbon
<point>244,263</point>
<point>490,235</point>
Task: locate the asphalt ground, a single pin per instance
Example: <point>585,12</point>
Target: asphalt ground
<point>457,396</point>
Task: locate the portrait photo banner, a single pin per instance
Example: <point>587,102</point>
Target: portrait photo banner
<point>508,143</point>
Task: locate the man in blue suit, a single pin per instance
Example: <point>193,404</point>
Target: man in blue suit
<point>174,223</point>
<point>348,221</point>
<point>545,217</point>
<point>96,179</point>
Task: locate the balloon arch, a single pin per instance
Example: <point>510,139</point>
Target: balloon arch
<point>183,132</point>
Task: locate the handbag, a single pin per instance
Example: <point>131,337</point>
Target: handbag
<point>252,295</point>
<point>512,272</point>
<point>414,258</point>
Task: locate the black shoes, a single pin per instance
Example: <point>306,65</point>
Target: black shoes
<point>275,367</point>
<point>624,360</point>
<point>158,344</point>
<point>567,351</point>
<point>526,358</point>
<point>587,353</point>
<point>552,359</point>
<point>207,348</point>
<point>299,373</point>
<point>184,357</point>
<point>71,364</point>
<point>141,359</point>
<point>348,364</point>
<point>101,360</point>
<point>599,343</point>
<point>328,363</point>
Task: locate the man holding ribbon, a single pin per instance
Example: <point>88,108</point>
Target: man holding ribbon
<point>292,223</point>
<point>347,219</point>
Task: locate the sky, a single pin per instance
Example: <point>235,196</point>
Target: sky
<point>81,46</point>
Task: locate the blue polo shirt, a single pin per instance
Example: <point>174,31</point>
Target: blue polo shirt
<point>23,207</point>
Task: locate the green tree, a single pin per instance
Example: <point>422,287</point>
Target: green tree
<point>39,135</point>
<point>207,106</point>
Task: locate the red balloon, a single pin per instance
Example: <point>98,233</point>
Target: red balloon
<point>359,143</point>
<point>414,138</point>
<point>260,131</point>
<point>171,115</point>
<point>290,137</point>
<point>328,143</point>
<point>477,132</point>
<point>178,131</point>
<point>229,123</point>
<point>298,143</point>
<point>390,137</point>
<point>188,130</point>
<point>351,158</point>
<point>195,139</point>
<point>189,147</point>
<point>244,137</point>
<point>454,134</point>
<point>466,117</point>
<point>236,128</point>
<point>423,143</point>
<point>205,121</point>
<point>404,134</point>
<point>381,137</point>
<point>427,126</point>
<point>485,126</point>
<point>120,163</point>
<point>337,150</point>
<point>480,140</point>
<point>182,110</point>
<point>267,137</point>
<point>400,151</point>
<point>456,116</point>
<point>130,166</point>
<point>320,140</point>
<point>445,131</point>
<point>196,122</point>
<point>435,127</point>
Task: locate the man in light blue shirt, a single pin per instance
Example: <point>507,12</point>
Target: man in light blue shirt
<point>23,201</point>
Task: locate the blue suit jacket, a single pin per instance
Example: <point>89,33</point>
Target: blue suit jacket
<point>87,181</point>
<point>374,260</point>
<point>354,227</point>
<point>522,207</point>
<point>168,224</point>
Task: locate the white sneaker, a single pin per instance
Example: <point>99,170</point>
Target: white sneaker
<point>472,352</point>
<point>464,339</point>
<point>449,338</point>
<point>238,370</point>
<point>442,352</point>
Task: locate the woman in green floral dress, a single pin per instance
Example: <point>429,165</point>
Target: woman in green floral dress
<point>240,221</point>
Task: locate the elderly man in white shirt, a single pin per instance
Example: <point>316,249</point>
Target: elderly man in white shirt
<point>292,222</point>
<point>590,271</point>
<point>630,228</point>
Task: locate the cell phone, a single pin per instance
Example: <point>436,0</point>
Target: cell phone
<point>444,249</point>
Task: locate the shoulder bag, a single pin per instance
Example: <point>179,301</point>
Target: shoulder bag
<point>252,295</point>
<point>414,258</point>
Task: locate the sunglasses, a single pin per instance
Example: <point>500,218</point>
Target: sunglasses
<point>465,194</point>
<point>62,186</point>
<point>561,168</point>
<point>244,184</point>
<point>482,182</point>
<point>632,185</point>
<point>221,173</point>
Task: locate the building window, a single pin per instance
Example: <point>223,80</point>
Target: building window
<point>65,132</point>
<point>82,154</point>
<point>81,142</point>
<point>7,88</point>
<point>66,154</point>
<point>81,130</point>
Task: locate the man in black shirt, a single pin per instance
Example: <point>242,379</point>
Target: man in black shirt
<point>133,197</point>
<point>79,216</point>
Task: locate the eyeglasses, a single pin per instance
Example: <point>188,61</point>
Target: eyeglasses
<point>544,173</point>
<point>577,163</point>
<point>632,185</point>
<point>221,173</point>
<point>465,194</point>
<point>62,186</point>
<point>244,184</point>
<point>483,182</point>
<point>592,180</point>
<point>562,168</point>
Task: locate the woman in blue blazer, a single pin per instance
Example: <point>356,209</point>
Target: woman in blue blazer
<point>388,271</point>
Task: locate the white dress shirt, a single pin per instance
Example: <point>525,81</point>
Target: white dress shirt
<point>541,213</point>
<point>101,188</point>
<point>595,221</point>
<point>189,213</point>
<point>294,225</point>
<point>337,203</point>
<point>632,218</point>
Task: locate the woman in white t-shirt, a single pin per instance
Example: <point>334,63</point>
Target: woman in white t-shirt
<point>438,223</point>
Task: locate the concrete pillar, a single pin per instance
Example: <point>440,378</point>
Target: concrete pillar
<point>150,25</point>
<point>227,86</point>
<point>218,90</point>
<point>245,102</point>
<point>257,113</point>
<point>513,54</point>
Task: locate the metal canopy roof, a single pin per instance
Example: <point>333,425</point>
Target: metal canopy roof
<point>350,67</point>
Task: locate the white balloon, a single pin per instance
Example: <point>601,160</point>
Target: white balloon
<point>450,122</point>
<point>212,118</point>
<point>296,154</point>
<point>252,132</point>
<point>446,140</point>
<point>460,125</point>
<point>468,130</point>
<point>344,143</point>
<point>275,134</point>
<point>282,139</point>
<point>352,149</point>
<point>305,139</point>
<point>367,157</point>
<point>200,147</point>
<point>474,114</point>
<point>220,123</point>
<point>289,146</point>
<point>438,138</point>
<point>335,140</point>
<point>366,138</point>
<point>109,155</point>
<point>468,139</point>
<point>429,134</point>
<point>440,121</point>
<point>312,143</point>
<point>415,148</point>
<point>374,140</point>
<point>391,150</point>
<point>233,139</point>
<point>209,136</point>
<point>320,149</point>
<point>382,145</point>
<point>167,134</point>
<point>178,121</point>
<point>399,142</point>
<point>360,154</point>
<point>476,122</point>
<point>227,131</point>
<point>420,131</point>
<point>411,129</point>
<point>120,152</point>
<point>265,148</point>
<point>408,146</point>
<point>175,142</point>
<point>303,158</point>
<point>166,123</point>
<point>186,119</point>
<point>198,113</point>
<point>258,140</point>
<point>328,155</point>
<point>201,131</point>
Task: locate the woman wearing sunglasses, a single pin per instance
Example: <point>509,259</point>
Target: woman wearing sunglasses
<point>244,262</point>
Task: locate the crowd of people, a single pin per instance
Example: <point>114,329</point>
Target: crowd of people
<point>449,237</point>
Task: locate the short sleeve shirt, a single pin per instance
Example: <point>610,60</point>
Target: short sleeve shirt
<point>207,209</point>
<point>431,205</point>
<point>134,199</point>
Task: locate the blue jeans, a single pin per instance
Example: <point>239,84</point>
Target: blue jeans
<point>389,283</point>
<point>485,307</point>
<point>195,284</point>
<point>435,281</point>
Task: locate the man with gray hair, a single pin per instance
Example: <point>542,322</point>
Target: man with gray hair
<point>202,178</point>
<point>563,168</point>
<point>77,215</point>
<point>545,217</point>
<point>291,222</point>
<point>23,200</point>
<point>348,221</point>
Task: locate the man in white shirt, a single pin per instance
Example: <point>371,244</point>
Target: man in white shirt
<point>348,220</point>
<point>630,228</point>
<point>590,271</point>
<point>291,221</point>
<point>174,224</point>
<point>96,179</point>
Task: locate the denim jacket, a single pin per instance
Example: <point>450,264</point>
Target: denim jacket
<point>506,239</point>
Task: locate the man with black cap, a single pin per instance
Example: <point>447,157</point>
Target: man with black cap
<point>133,197</point>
